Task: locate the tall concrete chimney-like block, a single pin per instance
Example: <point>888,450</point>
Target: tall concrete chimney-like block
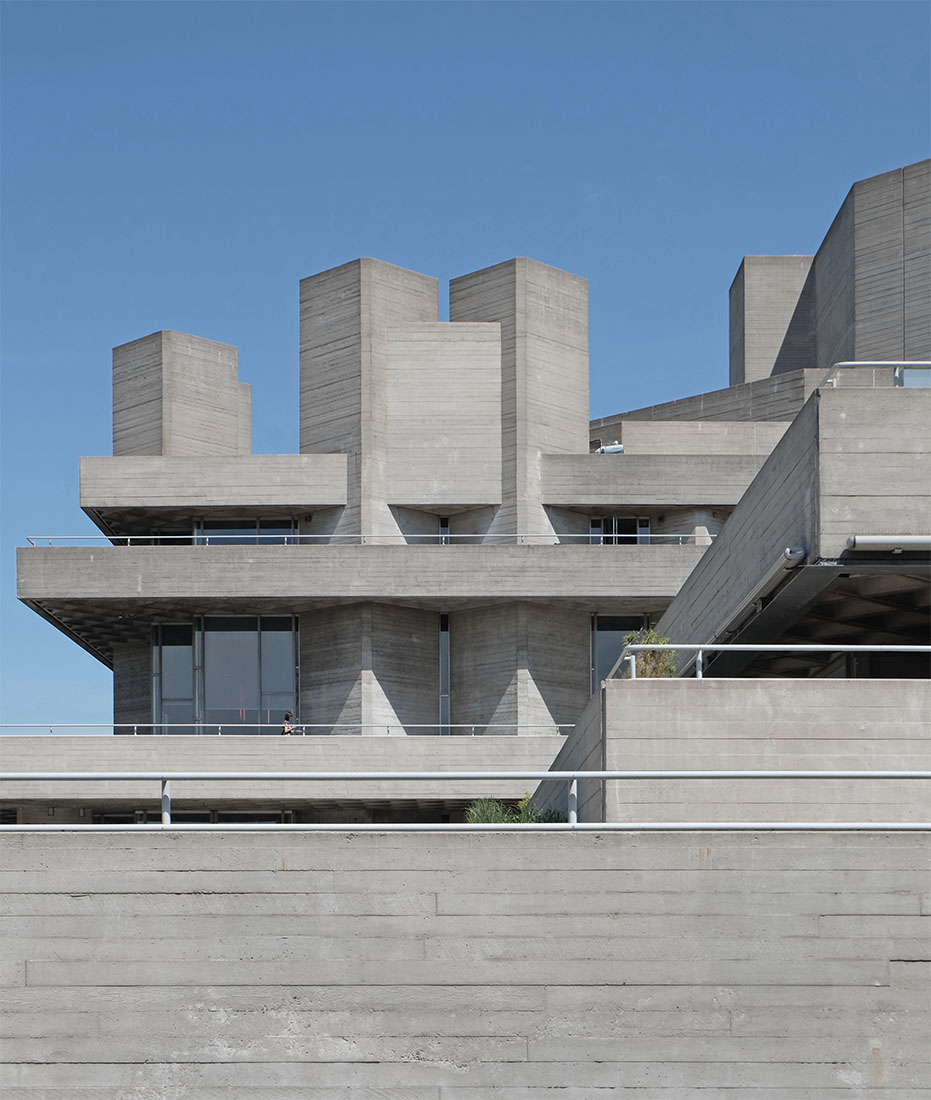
<point>543,313</point>
<point>345,316</point>
<point>771,317</point>
<point>175,394</point>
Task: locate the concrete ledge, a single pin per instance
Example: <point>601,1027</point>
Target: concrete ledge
<point>257,754</point>
<point>629,481</point>
<point>295,576</point>
<point>261,482</point>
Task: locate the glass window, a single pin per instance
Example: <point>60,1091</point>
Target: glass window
<point>444,674</point>
<point>226,671</point>
<point>231,670</point>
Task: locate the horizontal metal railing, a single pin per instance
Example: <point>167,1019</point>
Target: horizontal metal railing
<point>299,729</point>
<point>571,778</point>
<point>899,368</point>
<point>683,538</point>
<point>628,656</point>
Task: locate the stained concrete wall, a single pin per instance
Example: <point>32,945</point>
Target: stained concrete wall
<point>771,317</point>
<point>455,967</point>
<point>175,394</point>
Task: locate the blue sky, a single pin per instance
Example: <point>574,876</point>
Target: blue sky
<point>183,165</point>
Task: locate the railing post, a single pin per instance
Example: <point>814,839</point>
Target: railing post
<point>135,731</point>
<point>699,664</point>
<point>166,801</point>
<point>633,666</point>
<point>573,801</point>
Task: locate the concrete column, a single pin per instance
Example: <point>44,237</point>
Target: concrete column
<point>543,315</point>
<point>520,664</point>
<point>175,394</point>
<point>132,683</point>
<point>375,666</point>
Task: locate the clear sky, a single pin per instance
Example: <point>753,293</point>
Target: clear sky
<point>183,165</point>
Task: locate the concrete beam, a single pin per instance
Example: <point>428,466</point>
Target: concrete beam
<point>255,482</point>
<point>627,481</point>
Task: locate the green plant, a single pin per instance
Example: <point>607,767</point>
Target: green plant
<point>491,811</point>
<point>652,664</point>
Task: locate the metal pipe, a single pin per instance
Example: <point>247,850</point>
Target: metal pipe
<point>586,826</point>
<point>889,542</point>
<point>573,802</point>
<point>453,776</point>
<point>166,801</point>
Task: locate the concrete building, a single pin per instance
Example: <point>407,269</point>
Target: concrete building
<point>441,581</point>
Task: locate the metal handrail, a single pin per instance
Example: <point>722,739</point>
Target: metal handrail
<point>552,538</point>
<point>899,366</point>
<point>629,652</point>
<point>571,777</point>
<point>231,729</point>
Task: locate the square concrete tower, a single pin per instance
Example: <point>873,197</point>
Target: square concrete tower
<point>175,394</point>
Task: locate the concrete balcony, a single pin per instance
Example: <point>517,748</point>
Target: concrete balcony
<point>244,484</point>
<point>640,480</point>
<point>263,754</point>
<point>104,594</point>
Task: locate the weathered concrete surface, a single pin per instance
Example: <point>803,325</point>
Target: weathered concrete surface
<point>456,967</point>
<point>752,725</point>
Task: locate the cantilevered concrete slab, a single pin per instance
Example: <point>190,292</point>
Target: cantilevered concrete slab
<point>612,481</point>
<point>119,492</point>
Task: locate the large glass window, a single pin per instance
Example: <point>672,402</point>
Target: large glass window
<point>247,532</point>
<point>226,671</point>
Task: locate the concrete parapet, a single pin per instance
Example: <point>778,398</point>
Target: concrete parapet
<point>464,966</point>
<point>753,725</point>
<point>368,752</point>
<point>619,481</point>
<point>250,484</point>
